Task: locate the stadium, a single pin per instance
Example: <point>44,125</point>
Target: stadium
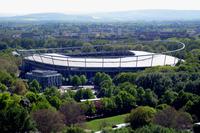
<point>88,63</point>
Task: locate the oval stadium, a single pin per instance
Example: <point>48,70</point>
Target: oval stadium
<point>88,63</point>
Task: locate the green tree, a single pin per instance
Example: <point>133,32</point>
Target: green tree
<point>5,100</point>
<point>125,77</point>
<point>88,94</point>
<point>158,82</point>
<point>128,87</point>
<point>15,119</point>
<point>125,100</point>
<point>193,108</point>
<point>105,92</point>
<point>141,116</point>
<point>83,79</point>
<point>150,98</point>
<point>52,91</point>
<point>100,78</point>
<point>55,102</point>
<point>6,79</point>
<point>83,94</point>
<point>109,106</point>
<point>41,103</point>
<point>193,87</point>
<point>162,106</point>
<point>89,108</point>
<point>140,96</point>
<point>169,97</point>
<point>79,95</point>
<point>97,79</point>
<point>32,97</point>
<point>183,98</point>
<point>9,65</point>
<point>106,84</point>
<point>3,88</point>
<point>75,81</point>
<point>34,86</point>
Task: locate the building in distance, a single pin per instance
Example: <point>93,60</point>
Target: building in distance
<point>46,78</point>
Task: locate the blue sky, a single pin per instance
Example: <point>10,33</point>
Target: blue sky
<point>91,6</point>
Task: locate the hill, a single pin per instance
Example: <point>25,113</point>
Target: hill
<point>137,15</point>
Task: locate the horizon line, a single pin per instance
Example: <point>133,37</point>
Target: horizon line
<point>89,13</point>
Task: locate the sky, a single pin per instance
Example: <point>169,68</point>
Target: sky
<point>18,7</point>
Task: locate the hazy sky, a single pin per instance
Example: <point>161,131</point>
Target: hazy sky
<point>91,6</point>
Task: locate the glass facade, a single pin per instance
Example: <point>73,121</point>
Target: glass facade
<point>46,78</point>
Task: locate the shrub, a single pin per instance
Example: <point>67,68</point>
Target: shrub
<point>141,116</point>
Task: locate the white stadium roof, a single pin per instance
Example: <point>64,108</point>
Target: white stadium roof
<point>139,60</point>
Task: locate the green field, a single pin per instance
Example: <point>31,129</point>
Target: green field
<point>98,124</point>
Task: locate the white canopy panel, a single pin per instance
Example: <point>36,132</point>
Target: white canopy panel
<point>140,59</point>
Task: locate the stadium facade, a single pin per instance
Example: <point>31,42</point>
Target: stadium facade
<point>111,62</point>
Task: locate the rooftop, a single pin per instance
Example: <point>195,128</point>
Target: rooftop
<point>140,59</point>
<point>43,73</point>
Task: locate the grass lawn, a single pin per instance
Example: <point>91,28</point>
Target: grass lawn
<point>95,125</point>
